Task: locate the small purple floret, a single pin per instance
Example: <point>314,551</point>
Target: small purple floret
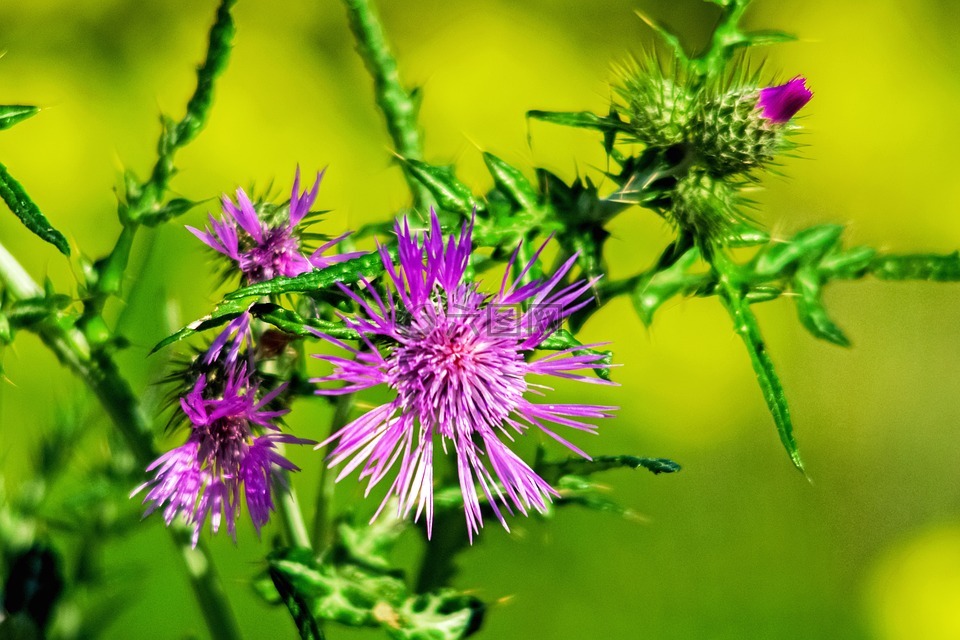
<point>230,452</point>
<point>779,104</point>
<point>262,251</point>
<point>457,361</point>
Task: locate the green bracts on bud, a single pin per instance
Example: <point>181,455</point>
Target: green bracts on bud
<point>705,205</point>
<point>659,108</point>
<point>731,136</point>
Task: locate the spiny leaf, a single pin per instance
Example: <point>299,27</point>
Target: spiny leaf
<point>29,213</point>
<point>811,311</point>
<point>172,209</point>
<point>657,287</point>
<point>745,324</point>
<point>291,593</point>
<point>746,235</point>
<point>350,271</point>
<point>563,339</point>
<point>581,492</point>
<point>668,36</point>
<point>579,119</point>
<point>222,314</point>
<point>808,245</point>
<point>293,323</point>
<point>767,37</point>
<point>11,114</point>
<point>370,544</point>
<point>444,615</point>
<point>218,55</point>
<point>585,467</point>
<point>450,193</point>
<point>512,182</point>
<point>26,313</point>
<point>357,597</point>
<point>852,263</point>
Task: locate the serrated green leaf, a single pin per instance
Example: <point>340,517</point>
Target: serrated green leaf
<point>584,467</point>
<point>370,544</point>
<point>293,323</point>
<point>344,594</point>
<point>172,209</point>
<point>581,492</point>
<point>28,312</point>
<point>851,263</point>
<point>808,245</point>
<point>291,592</point>
<point>811,311</point>
<point>222,314</point>
<point>578,119</point>
<point>563,339</point>
<point>762,293</point>
<point>11,114</point>
<point>746,235</point>
<point>512,182</point>
<point>446,615</point>
<point>355,596</point>
<point>6,332</point>
<point>745,325</point>
<point>668,36</point>
<point>29,213</point>
<point>442,183</point>
<point>768,37</point>
<point>656,287</point>
<point>368,266</point>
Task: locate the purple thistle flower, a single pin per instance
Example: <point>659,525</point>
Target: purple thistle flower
<point>779,104</point>
<point>222,458</point>
<point>264,250</point>
<point>456,359</point>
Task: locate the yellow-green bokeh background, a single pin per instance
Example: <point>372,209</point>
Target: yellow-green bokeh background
<point>736,546</point>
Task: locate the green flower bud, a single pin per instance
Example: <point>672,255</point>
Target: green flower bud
<point>659,108</point>
<point>706,206</point>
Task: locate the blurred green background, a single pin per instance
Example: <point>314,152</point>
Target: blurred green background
<point>738,545</point>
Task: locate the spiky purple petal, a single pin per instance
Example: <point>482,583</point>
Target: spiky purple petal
<point>456,360</point>
<point>780,103</point>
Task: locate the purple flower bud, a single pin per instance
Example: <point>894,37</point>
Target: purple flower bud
<point>263,249</point>
<point>779,104</point>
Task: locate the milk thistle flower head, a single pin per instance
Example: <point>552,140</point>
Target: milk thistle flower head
<point>456,360</point>
<point>264,247</point>
<point>739,130</point>
<point>780,103</point>
<point>231,450</point>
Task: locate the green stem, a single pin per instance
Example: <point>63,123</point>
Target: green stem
<point>100,373</point>
<point>207,586</point>
<point>449,538</point>
<point>322,529</point>
<point>290,513</point>
<point>398,106</point>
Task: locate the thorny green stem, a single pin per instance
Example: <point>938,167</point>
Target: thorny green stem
<point>146,198</point>
<point>100,373</point>
<point>399,107</point>
<point>322,526</point>
<point>893,267</point>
